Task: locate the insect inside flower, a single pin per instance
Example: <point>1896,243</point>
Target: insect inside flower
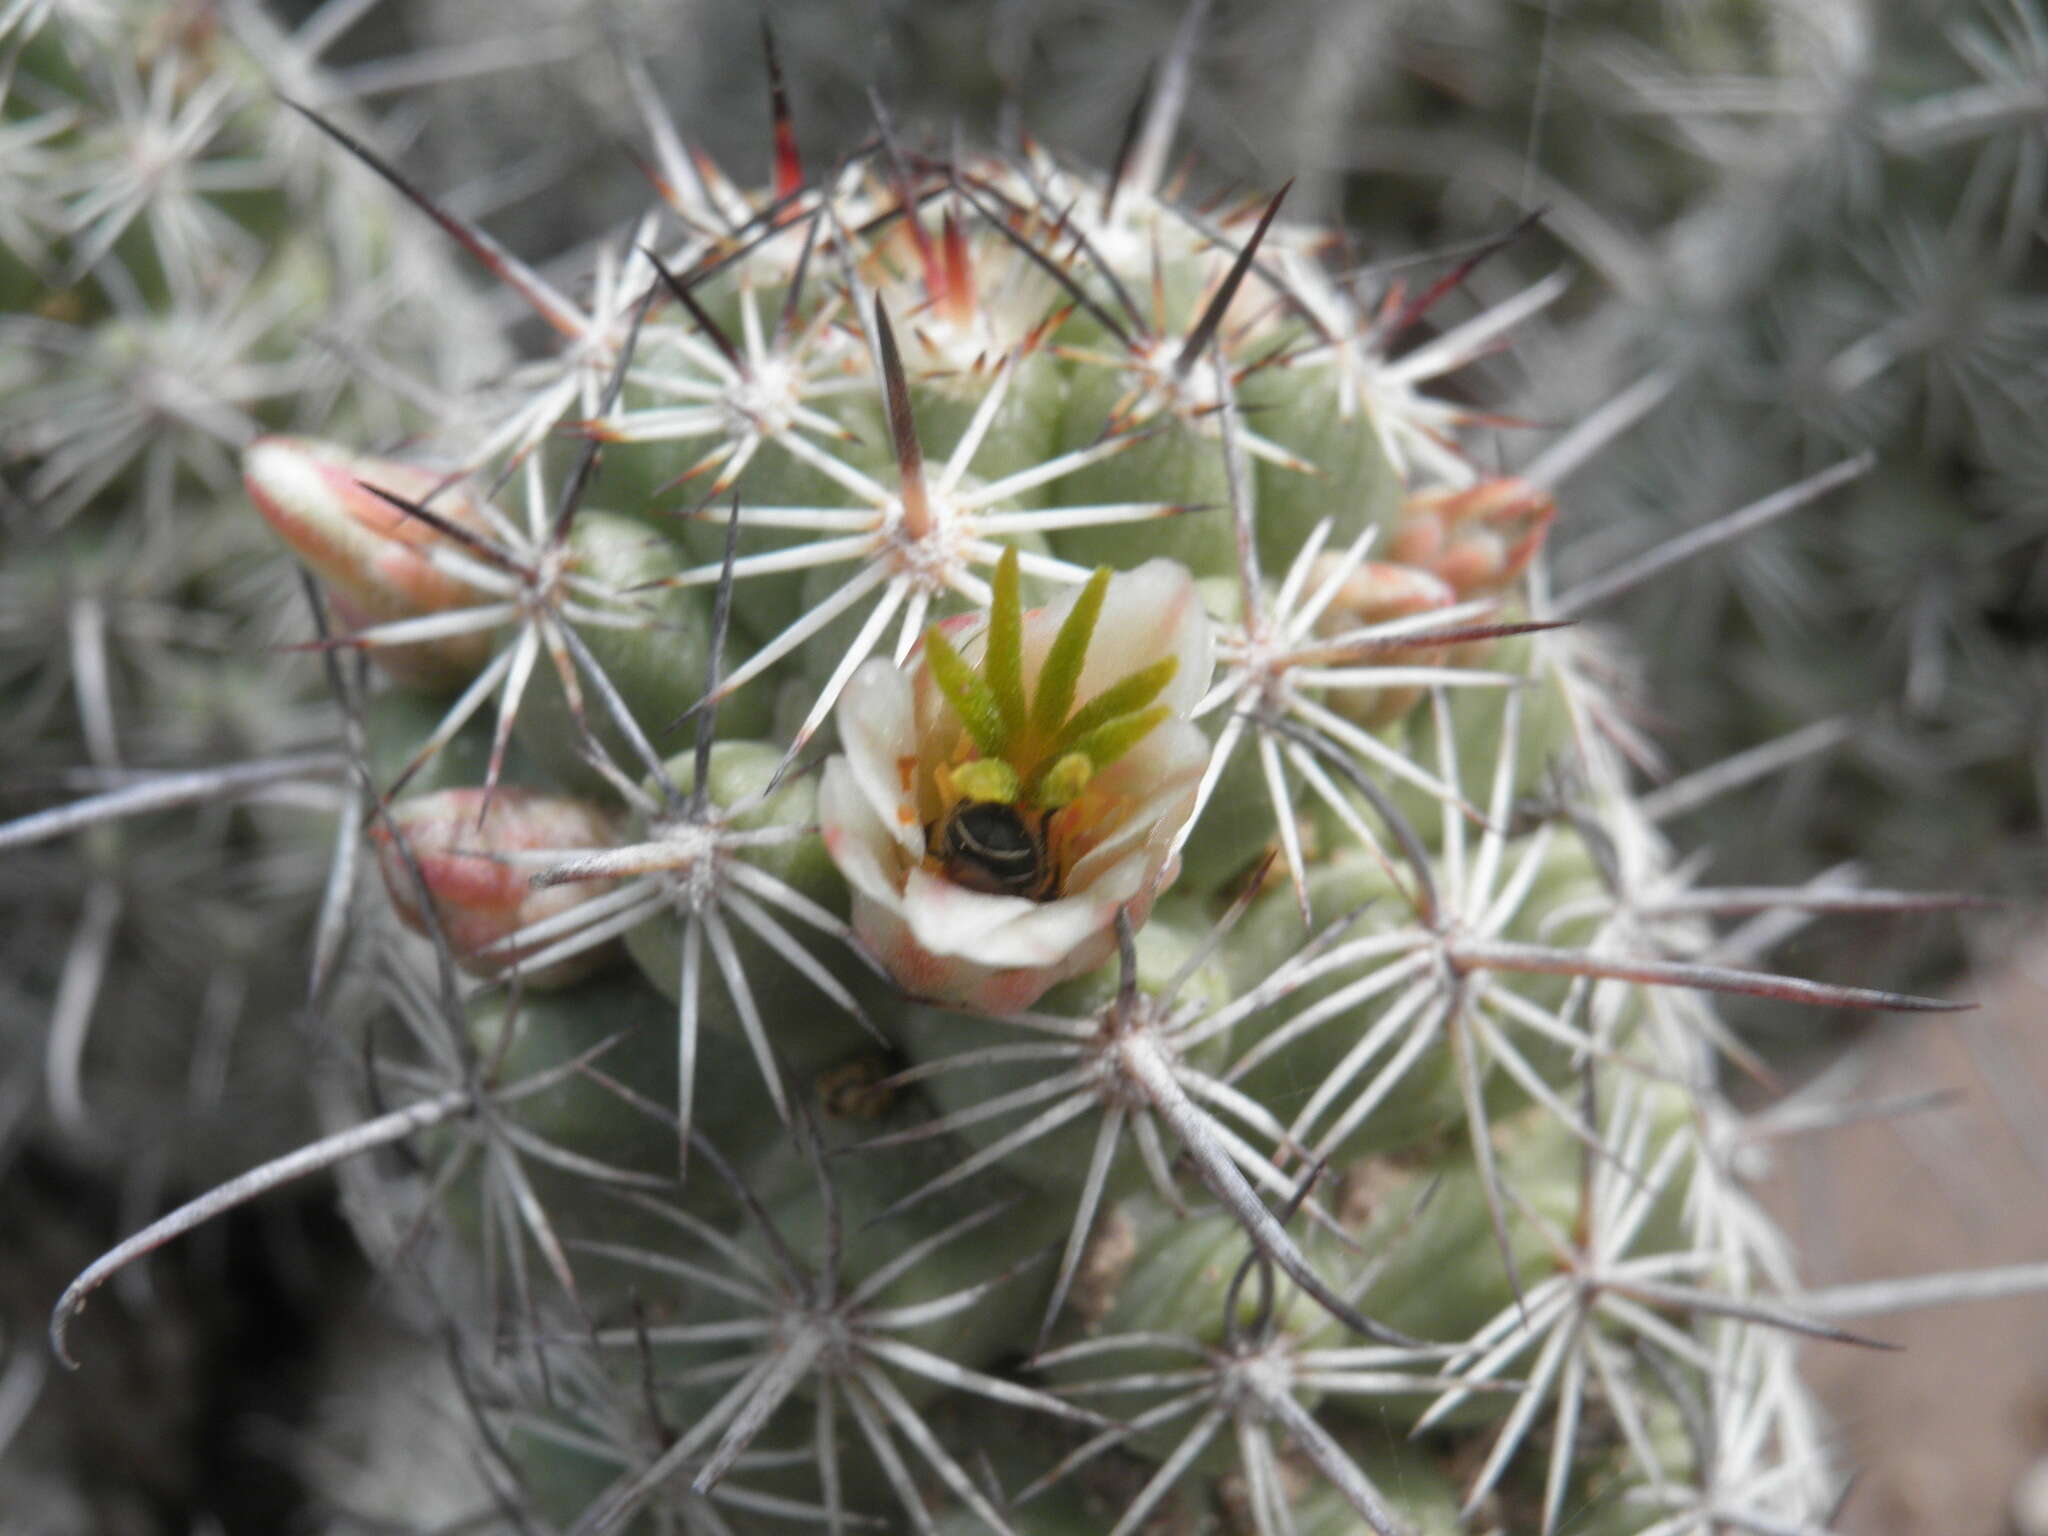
<point>991,846</point>
<point>1021,780</point>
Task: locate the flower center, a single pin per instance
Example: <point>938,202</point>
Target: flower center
<point>993,847</point>
<point>1015,811</point>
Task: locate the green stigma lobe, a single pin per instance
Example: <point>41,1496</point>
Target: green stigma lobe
<point>988,778</point>
<point>1003,662</point>
<point>1062,782</point>
<point>1112,739</point>
<point>970,697</point>
<point>1061,674</point>
<point>1120,698</point>
<point>990,701</point>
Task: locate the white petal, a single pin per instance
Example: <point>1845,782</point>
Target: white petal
<point>1147,614</point>
<point>856,838</point>
<point>999,931</point>
<point>880,734</point>
<point>1166,770</point>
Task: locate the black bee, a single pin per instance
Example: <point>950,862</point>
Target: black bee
<point>987,846</point>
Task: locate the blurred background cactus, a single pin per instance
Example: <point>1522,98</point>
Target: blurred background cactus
<point>894,1263</point>
<point>184,267</point>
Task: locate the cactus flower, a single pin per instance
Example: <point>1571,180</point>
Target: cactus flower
<point>1022,778</point>
<point>377,562</point>
<point>473,850</point>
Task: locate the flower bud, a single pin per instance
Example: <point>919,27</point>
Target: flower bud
<point>377,562</point>
<point>1375,593</point>
<point>466,844</point>
<point>1478,540</point>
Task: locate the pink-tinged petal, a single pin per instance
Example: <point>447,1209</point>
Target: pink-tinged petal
<point>1138,871</point>
<point>481,896</point>
<point>1172,769</point>
<point>949,919</point>
<point>954,979</point>
<point>944,978</point>
<point>1378,592</point>
<point>879,925</point>
<point>1148,613</point>
<point>313,495</point>
<point>376,560</point>
<point>879,729</point>
<point>1173,752</point>
<point>997,931</point>
<point>1014,991</point>
<point>855,837</point>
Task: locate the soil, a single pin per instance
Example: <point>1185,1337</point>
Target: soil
<point>1942,1431</point>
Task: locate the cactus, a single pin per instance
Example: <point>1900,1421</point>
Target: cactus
<point>1797,285</point>
<point>1003,900</point>
<point>185,270</point>
<point>183,267</point>
<point>1797,225</point>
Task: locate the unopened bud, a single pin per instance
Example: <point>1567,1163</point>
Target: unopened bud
<point>1478,540</point>
<point>467,846</point>
<point>1378,593</point>
<point>378,562</point>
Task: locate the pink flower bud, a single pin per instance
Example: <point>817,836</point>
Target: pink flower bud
<point>1376,593</point>
<point>1479,539</point>
<point>482,889</point>
<point>378,562</point>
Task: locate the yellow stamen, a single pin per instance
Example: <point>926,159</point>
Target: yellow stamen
<point>1063,782</point>
<point>987,778</point>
